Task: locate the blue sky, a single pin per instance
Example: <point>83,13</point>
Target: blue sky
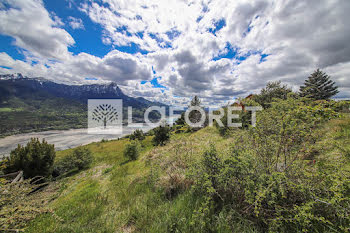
<point>172,50</point>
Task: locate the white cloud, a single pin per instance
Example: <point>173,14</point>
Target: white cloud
<point>34,30</point>
<point>76,23</point>
<point>298,36</point>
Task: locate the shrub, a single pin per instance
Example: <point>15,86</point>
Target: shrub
<point>301,199</point>
<point>273,90</point>
<point>285,128</point>
<point>137,135</point>
<point>35,159</point>
<point>244,116</point>
<point>82,157</point>
<point>79,159</point>
<point>132,150</point>
<point>268,182</point>
<point>161,135</point>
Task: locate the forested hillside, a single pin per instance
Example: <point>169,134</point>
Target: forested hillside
<point>37,104</point>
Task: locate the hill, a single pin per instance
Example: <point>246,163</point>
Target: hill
<point>154,194</point>
<point>37,104</point>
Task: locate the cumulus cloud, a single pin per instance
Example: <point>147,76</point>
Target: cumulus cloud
<point>34,30</point>
<point>217,49</point>
<point>76,23</point>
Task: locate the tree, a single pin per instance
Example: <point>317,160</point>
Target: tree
<point>195,116</point>
<point>137,135</point>
<point>318,86</point>
<point>195,101</point>
<point>105,113</point>
<point>161,135</point>
<point>35,159</point>
<point>271,91</point>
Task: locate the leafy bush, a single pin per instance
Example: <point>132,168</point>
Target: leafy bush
<point>79,159</point>
<point>35,159</point>
<point>132,150</point>
<point>244,116</point>
<point>161,135</point>
<point>273,90</point>
<point>301,199</point>
<point>266,180</point>
<point>285,128</point>
<point>137,135</point>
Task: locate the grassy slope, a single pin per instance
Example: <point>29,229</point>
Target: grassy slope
<point>119,196</point>
<point>39,113</point>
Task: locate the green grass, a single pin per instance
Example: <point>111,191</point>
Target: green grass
<point>11,109</point>
<point>117,195</point>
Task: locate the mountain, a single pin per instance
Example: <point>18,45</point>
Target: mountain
<point>19,85</point>
<point>36,104</point>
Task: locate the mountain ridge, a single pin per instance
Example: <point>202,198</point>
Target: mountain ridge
<point>38,104</point>
<point>76,92</point>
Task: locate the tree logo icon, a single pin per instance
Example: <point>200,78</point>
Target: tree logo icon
<point>105,113</point>
<point>105,116</point>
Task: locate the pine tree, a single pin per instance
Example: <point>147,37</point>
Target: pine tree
<point>319,86</point>
<point>195,116</point>
<point>195,101</point>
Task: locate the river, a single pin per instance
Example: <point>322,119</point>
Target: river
<point>62,139</point>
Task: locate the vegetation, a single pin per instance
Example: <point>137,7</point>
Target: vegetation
<point>39,112</point>
<point>319,86</point>
<point>273,90</point>
<point>201,181</point>
<point>34,159</point>
<point>132,150</point>
<point>80,158</point>
<point>27,106</point>
<point>290,173</point>
<point>19,205</point>
<point>161,135</point>
<point>137,135</point>
<point>269,179</point>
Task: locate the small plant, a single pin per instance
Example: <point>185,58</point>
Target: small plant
<point>82,157</point>
<point>161,135</point>
<point>34,159</point>
<point>132,150</point>
<point>79,159</point>
<point>104,140</point>
<point>137,135</point>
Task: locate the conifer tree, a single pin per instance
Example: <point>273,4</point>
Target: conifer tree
<point>318,86</point>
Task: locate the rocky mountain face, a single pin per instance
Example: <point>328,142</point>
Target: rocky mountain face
<point>18,85</point>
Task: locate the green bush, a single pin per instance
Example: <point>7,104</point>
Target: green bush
<point>35,159</point>
<point>137,135</point>
<point>302,199</point>
<point>161,135</point>
<point>79,159</point>
<point>272,91</point>
<point>132,150</point>
<point>244,116</point>
<point>266,180</point>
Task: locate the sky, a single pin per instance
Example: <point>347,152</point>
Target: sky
<point>171,50</point>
